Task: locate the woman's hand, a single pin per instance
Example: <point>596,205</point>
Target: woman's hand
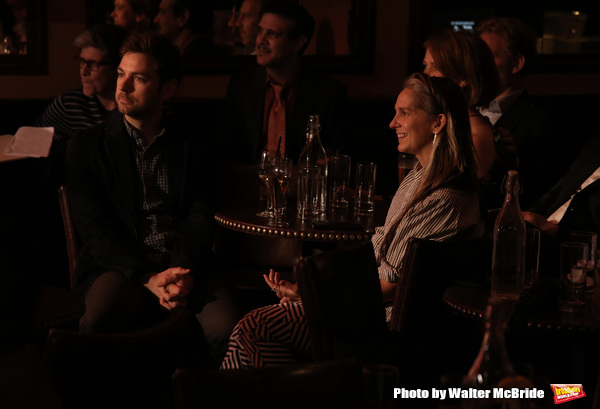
<point>286,291</point>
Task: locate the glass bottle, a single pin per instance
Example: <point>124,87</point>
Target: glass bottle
<point>508,257</point>
<point>492,367</point>
<point>312,173</point>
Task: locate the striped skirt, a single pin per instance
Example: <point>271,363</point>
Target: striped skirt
<point>269,336</point>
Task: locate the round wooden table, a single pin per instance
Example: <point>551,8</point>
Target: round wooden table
<point>239,204</point>
<point>247,246</point>
<point>337,225</point>
<point>471,302</point>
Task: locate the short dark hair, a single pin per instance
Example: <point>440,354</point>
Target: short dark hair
<point>304,23</point>
<point>520,38</point>
<point>107,38</point>
<point>201,16</point>
<point>160,49</point>
<point>145,8</point>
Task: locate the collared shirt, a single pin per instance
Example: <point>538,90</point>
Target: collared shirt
<point>560,212</point>
<point>288,94</point>
<point>157,225</point>
<point>498,106</point>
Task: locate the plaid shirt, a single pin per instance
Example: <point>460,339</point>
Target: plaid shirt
<point>157,225</point>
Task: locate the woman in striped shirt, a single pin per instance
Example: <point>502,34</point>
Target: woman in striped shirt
<point>438,200</point>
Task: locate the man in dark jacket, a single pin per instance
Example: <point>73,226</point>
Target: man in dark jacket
<point>281,84</point>
<point>142,199</point>
<point>523,123</point>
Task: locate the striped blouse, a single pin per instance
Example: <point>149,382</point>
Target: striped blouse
<point>446,214</point>
<point>71,112</point>
<point>278,334</point>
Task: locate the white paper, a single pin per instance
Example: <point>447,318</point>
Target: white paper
<point>31,141</point>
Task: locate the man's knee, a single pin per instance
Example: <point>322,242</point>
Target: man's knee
<point>113,304</point>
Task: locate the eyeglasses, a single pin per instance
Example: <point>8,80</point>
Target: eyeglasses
<point>91,64</point>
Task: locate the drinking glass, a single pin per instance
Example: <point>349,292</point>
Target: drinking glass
<point>282,169</point>
<point>591,239</point>
<point>263,164</point>
<point>532,256</point>
<point>364,201</point>
<point>339,180</point>
<point>573,266</point>
<point>406,162</point>
<point>277,176</point>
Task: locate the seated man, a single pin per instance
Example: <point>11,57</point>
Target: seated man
<point>513,45</point>
<point>234,41</point>
<point>134,14</point>
<point>276,99</point>
<point>187,23</point>
<point>140,190</point>
<point>246,24</point>
<point>572,204</point>
<point>574,201</point>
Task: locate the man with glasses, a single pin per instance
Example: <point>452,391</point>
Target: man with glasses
<point>78,109</point>
<point>72,112</point>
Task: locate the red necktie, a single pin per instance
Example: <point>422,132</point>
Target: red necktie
<point>276,121</point>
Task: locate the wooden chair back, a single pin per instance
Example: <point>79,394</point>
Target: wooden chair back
<point>420,319</point>
<point>343,303</point>
<point>331,384</point>
<point>72,239</point>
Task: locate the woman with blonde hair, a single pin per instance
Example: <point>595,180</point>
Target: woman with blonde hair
<point>466,59</point>
<point>437,200</point>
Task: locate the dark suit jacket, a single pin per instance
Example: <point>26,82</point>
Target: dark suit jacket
<point>103,189</point>
<point>584,210</point>
<point>315,94</point>
<point>528,123</point>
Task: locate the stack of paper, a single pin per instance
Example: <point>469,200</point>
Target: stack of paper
<point>29,141</point>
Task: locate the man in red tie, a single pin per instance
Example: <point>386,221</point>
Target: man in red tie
<point>274,100</point>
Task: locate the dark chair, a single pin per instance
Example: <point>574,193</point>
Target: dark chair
<point>343,303</point>
<point>421,322</point>
<point>126,369</point>
<point>71,237</point>
<point>331,384</point>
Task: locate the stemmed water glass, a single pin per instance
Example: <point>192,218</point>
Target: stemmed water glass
<point>275,172</point>
<point>263,165</point>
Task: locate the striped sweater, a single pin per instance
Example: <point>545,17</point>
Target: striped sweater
<point>71,112</point>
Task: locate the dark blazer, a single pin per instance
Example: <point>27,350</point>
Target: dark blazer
<point>103,189</point>
<point>315,94</point>
<point>528,123</point>
<point>584,210</point>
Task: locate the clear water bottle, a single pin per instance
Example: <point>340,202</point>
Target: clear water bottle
<point>492,367</point>
<point>312,173</point>
<point>508,257</point>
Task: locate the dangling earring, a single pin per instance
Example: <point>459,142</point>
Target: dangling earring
<point>434,137</point>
